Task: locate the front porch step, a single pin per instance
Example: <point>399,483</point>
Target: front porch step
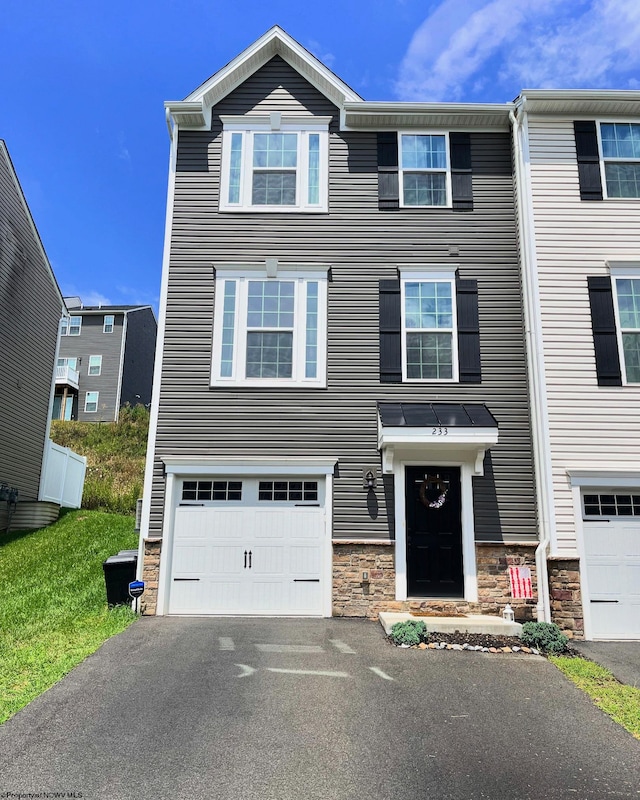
<point>470,623</point>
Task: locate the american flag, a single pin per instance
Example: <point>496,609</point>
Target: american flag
<point>520,580</point>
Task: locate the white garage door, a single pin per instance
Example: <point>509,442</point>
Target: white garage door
<point>253,555</point>
<point>612,550</point>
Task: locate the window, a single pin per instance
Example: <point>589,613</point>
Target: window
<point>627,293</point>
<point>71,326</point>
<point>270,331</point>
<point>95,365</point>
<point>620,150</point>
<point>611,505</point>
<point>424,170</point>
<point>107,326</point>
<point>429,341</point>
<point>91,402</point>
<point>212,490</point>
<point>274,164</point>
<point>72,363</point>
<point>288,491</point>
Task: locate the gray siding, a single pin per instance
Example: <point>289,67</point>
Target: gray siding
<point>362,245</point>
<point>92,341</point>
<point>30,311</point>
<point>139,352</point>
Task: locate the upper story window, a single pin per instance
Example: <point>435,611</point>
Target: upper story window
<point>71,326</point>
<point>429,340</point>
<point>107,325</point>
<point>627,294</point>
<point>95,365</point>
<point>274,163</point>
<point>425,175</point>
<point>620,151</point>
<point>270,331</point>
<point>72,363</point>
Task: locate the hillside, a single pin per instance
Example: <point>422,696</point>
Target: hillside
<point>115,454</point>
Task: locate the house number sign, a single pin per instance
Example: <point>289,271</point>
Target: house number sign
<point>440,431</point>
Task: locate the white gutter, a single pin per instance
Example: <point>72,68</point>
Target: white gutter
<point>535,357</point>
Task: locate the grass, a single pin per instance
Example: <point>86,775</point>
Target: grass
<point>115,454</point>
<point>53,610</point>
<point>620,702</point>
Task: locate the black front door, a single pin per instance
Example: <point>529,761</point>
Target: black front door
<point>434,532</point>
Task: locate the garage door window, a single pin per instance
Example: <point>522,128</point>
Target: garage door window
<point>212,490</point>
<point>611,505</point>
<point>288,491</point>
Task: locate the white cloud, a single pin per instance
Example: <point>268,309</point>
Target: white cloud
<point>318,51</point>
<point>92,298</point>
<point>467,48</point>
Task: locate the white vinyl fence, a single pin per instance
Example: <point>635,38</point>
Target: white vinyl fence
<point>64,476</point>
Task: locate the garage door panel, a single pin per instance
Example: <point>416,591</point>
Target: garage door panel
<point>283,544</point>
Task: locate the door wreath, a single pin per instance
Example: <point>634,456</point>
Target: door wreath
<point>433,491</point>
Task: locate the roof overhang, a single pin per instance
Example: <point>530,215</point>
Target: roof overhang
<point>379,116</point>
<point>451,431</point>
<point>580,102</point>
<point>194,111</point>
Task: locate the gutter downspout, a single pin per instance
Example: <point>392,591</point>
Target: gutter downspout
<point>535,358</point>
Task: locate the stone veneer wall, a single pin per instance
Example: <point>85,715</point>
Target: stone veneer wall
<point>565,595</point>
<point>353,598</point>
<point>150,570</point>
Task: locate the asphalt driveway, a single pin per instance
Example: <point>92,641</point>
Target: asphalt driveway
<point>620,658</point>
<point>239,709</point>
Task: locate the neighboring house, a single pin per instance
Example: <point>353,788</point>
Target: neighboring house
<point>30,309</point>
<point>105,361</point>
<point>340,421</point>
<point>578,155</point>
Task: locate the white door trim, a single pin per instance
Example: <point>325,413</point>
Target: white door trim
<point>467,470</point>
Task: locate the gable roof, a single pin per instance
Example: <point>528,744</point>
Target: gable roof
<point>195,110</point>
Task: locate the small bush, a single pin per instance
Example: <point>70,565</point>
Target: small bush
<point>544,636</point>
<point>409,632</point>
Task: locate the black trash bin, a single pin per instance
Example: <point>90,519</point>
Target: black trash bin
<point>119,571</point>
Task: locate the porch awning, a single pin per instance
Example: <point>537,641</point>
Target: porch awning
<point>452,431</point>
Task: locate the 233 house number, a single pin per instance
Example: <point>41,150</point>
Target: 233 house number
<point>439,431</point>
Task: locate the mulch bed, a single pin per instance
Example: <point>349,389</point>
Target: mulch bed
<point>482,640</point>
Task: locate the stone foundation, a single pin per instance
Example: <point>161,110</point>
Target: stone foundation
<point>565,595</point>
<point>354,598</point>
<point>150,570</point>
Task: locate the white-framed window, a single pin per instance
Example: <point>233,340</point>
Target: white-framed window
<point>619,144</point>
<point>211,490</point>
<point>626,291</point>
<point>95,365</point>
<point>72,363</point>
<point>107,325</point>
<point>71,326</point>
<point>424,169</point>
<point>429,326</point>
<point>91,402</point>
<point>270,331</point>
<point>275,163</point>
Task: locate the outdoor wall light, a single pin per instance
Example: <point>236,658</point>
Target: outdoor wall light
<point>369,479</point>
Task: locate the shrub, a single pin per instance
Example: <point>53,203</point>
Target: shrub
<point>409,632</point>
<point>544,636</point>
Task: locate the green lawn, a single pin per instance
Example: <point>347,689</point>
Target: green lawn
<point>53,610</point>
<point>620,702</point>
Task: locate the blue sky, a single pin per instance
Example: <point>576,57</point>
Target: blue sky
<point>83,83</point>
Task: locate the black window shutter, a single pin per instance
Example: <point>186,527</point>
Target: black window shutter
<point>588,160</point>
<point>390,332</point>
<point>468,331</point>
<point>461,186</point>
<point>603,323</point>
<point>388,186</point>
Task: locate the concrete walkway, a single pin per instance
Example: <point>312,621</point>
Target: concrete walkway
<point>620,658</point>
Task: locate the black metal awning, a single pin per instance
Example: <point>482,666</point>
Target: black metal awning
<point>425,415</point>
